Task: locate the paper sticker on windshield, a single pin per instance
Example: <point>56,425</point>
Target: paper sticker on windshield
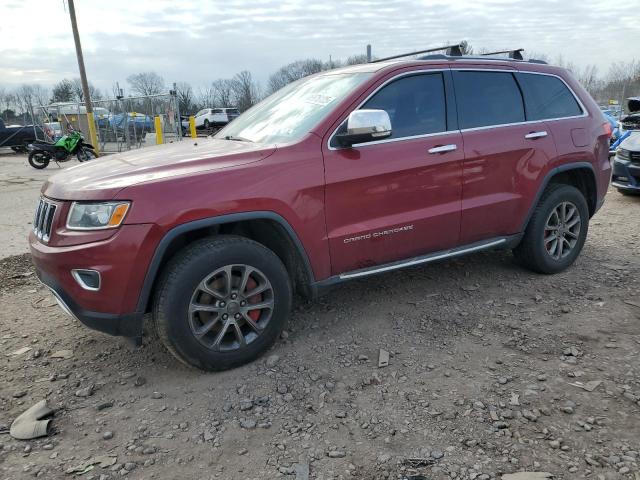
<point>319,99</point>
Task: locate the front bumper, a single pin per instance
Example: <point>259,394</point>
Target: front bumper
<point>626,175</point>
<point>126,325</point>
<point>121,260</point>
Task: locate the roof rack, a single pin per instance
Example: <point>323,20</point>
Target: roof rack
<point>452,51</point>
<point>514,54</point>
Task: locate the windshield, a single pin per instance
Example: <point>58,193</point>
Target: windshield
<point>293,111</point>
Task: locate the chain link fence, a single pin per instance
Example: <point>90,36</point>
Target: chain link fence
<point>122,124</point>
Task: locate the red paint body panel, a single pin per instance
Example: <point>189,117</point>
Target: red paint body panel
<point>399,184</point>
<point>485,188</point>
<point>502,174</point>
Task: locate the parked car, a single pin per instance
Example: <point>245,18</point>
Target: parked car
<point>215,117</point>
<point>626,164</point>
<point>338,176</point>
<point>114,126</point>
<point>614,128</point>
<point>18,136</point>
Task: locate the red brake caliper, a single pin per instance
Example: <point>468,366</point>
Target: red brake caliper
<point>251,284</point>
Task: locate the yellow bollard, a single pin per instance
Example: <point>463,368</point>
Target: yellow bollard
<point>93,137</point>
<point>158,123</point>
<point>192,126</point>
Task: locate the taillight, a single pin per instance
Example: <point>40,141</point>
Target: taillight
<point>608,131</point>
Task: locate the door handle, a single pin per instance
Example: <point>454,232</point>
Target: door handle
<point>443,149</point>
<point>534,135</point>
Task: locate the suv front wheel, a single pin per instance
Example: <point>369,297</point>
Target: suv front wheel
<point>222,302</point>
<point>556,232</point>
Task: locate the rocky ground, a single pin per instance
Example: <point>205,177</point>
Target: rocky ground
<point>492,370</point>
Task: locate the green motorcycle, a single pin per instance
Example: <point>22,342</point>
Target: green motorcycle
<point>41,153</point>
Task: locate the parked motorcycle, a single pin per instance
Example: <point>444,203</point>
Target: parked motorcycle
<point>41,153</point>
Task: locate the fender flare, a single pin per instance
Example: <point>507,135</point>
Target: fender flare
<point>547,178</point>
<point>154,266</point>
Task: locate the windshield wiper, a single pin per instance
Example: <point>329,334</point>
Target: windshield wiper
<point>237,139</point>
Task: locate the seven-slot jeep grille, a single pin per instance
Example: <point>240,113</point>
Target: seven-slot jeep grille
<point>43,219</point>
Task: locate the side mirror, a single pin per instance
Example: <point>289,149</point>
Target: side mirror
<point>365,126</point>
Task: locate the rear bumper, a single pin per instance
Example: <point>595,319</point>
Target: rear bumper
<point>626,175</point>
<point>127,325</point>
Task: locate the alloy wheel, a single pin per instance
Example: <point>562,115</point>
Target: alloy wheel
<point>231,307</point>
<point>562,230</point>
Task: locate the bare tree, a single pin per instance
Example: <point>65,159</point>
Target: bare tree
<point>357,59</point>
<point>223,92</point>
<point>146,83</point>
<point>206,97</point>
<point>588,77</point>
<point>185,96</point>
<point>245,90</point>
<point>78,93</point>
<point>292,72</point>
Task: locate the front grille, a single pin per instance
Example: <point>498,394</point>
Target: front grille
<point>43,219</point>
<point>634,157</point>
<point>623,154</point>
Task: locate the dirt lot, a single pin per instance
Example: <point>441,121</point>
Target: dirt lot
<point>490,373</point>
<point>19,191</point>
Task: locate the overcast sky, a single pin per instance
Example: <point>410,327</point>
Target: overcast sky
<point>199,41</point>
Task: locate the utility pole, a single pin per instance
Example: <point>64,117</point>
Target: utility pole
<point>368,53</point>
<point>83,77</point>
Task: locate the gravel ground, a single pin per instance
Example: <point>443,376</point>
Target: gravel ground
<point>492,370</point>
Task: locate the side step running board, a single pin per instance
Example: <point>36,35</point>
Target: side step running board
<point>432,257</point>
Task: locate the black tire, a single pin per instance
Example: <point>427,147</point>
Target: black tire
<point>180,281</point>
<point>532,252</point>
<point>206,123</point>
<point>86,154</point>
<point>39,159</point>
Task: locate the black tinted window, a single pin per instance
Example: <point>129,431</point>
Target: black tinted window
<point>487,98</point>
<point>416,105</point>
<point>547,97</point>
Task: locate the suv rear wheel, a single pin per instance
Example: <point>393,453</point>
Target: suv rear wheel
<point>556,232</point>
<point>222,302</point>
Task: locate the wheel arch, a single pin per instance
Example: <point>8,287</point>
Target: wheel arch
<point>265,227</point>
<point>578,174</point>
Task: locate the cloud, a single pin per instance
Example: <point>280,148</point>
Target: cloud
<point>199,41</point>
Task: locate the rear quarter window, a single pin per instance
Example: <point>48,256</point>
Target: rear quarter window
<point>487,98</point>
<point>547,97</point>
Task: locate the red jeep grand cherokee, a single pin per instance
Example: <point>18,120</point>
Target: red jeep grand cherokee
<point>340,175</point>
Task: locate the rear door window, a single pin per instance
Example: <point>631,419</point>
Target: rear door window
<point>415,104</point>
<point>486,98</point>
<point>547,97</point>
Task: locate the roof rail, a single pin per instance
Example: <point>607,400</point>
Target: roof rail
<point>514,54</point>
<point>452,50</point>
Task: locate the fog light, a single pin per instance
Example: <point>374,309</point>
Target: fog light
<point>87,279</point>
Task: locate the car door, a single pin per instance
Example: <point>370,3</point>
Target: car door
<point>504,154</point>
<point>397,198</point>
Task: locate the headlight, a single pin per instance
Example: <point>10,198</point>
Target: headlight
<point>96,216</point>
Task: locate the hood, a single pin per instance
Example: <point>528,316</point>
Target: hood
<point>104,177</point>
<point>632,142</point>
